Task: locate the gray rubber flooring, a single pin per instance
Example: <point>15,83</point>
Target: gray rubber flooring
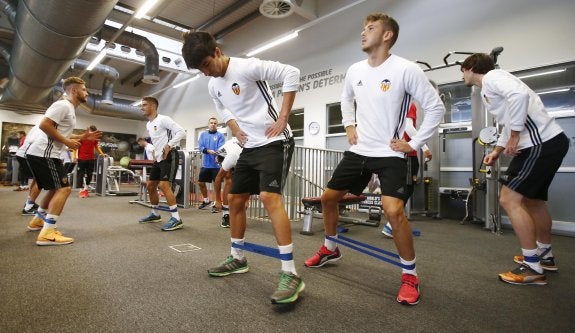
<point>120,276</point>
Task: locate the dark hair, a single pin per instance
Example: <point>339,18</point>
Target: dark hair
<point>93,128</point>
<point>22,133</point>
<point>197,46</point>
<point>151,99</point>
<point>388,22</point>
<point>478,63</point>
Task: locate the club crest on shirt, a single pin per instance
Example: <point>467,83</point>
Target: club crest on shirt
<point>155,128</point>
<point>236,88</point>
<point>385,85</point>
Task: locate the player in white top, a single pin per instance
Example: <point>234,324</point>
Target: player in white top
<point>166,135</point>
<point>227,156</point>
<point>245,103</point>
<point>43,157</point>
<point>148,148</point>
<point>30,206</point>
<point>538,146</point>
<point>382,87</point>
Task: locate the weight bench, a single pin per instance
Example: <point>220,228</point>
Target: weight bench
<point>312,207</point>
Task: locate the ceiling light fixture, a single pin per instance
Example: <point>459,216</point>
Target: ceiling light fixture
<point>544,73</point>
<point>274,43</point>
<point>97,60</point>
<point>145,8</point>
<point>553,91</point>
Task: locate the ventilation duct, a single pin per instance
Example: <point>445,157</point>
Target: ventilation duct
<point>7,9</point>
<point>120,109</point>
<point>277,8</point>
<point>110,76</point>
<point>140,43</point>
<point>49,36</point>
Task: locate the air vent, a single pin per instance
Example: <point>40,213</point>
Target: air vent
<point>276,8</point>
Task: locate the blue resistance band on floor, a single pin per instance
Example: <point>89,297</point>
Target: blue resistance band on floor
<point>165,209</point>
<point>263,250</point>
<point>347,242</point>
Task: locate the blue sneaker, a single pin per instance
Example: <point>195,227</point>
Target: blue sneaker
<point>150,218</point>
<point>173,224</point>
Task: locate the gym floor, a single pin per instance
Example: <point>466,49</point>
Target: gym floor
<point>120,276</point>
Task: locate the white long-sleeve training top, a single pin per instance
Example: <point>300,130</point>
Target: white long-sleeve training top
<point>244,95</point>
<point>383,95</point>
<point>517,108</point>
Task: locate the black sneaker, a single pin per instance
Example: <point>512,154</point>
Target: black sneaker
<point>230,266</point>
<point>289,287</point>
<point>29,212</point>
<point>225,221</point>
<point>215,209</point>
<point>204,204</point>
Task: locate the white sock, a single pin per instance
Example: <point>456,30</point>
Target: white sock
<point>50,218</point>
<point>531,259</point>
<point>155,210</point>
<point>412,271</point>
<point>329,244</point>
<point>175,214</point>
<point>541,247</point>
<point>238,253</point>
<point>225,210</point>
<point>41,211</point>
<point>29,204</point>
<point>287,265</point>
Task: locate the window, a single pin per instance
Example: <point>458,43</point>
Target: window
<point>334,124</point>
<point>296,122</point>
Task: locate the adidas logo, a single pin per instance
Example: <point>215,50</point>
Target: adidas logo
<point>274,184</point>
<point>359,84</point>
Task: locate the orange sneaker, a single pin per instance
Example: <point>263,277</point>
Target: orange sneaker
<point>35,224</point>
<point>84,193</point>
<point>523,275</point>
<point>409,290</point>
<point>52,237</point>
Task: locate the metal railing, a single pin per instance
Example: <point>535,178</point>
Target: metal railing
<point>310,170</point>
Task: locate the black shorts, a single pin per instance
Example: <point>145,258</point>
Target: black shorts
<point>24,169</point>
<point>49,173</point>
<point>531,172</point>
<point>354,172</point>
<point>263,168</point>
<point>167,169</point>
<point>208,175</point>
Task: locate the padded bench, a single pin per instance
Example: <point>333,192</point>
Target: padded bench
<point>312,206</point>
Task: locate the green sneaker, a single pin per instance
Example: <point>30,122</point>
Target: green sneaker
<point>289,287</point>
<point>230,266</point>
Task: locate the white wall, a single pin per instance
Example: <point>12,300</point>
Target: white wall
<point>532,33</point>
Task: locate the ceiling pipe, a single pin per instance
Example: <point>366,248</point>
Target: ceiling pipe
<point>110,76</point>
<point>140,43</point>
<point>49,36</point>
<point>120,109</point>
<point>10,12</point>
